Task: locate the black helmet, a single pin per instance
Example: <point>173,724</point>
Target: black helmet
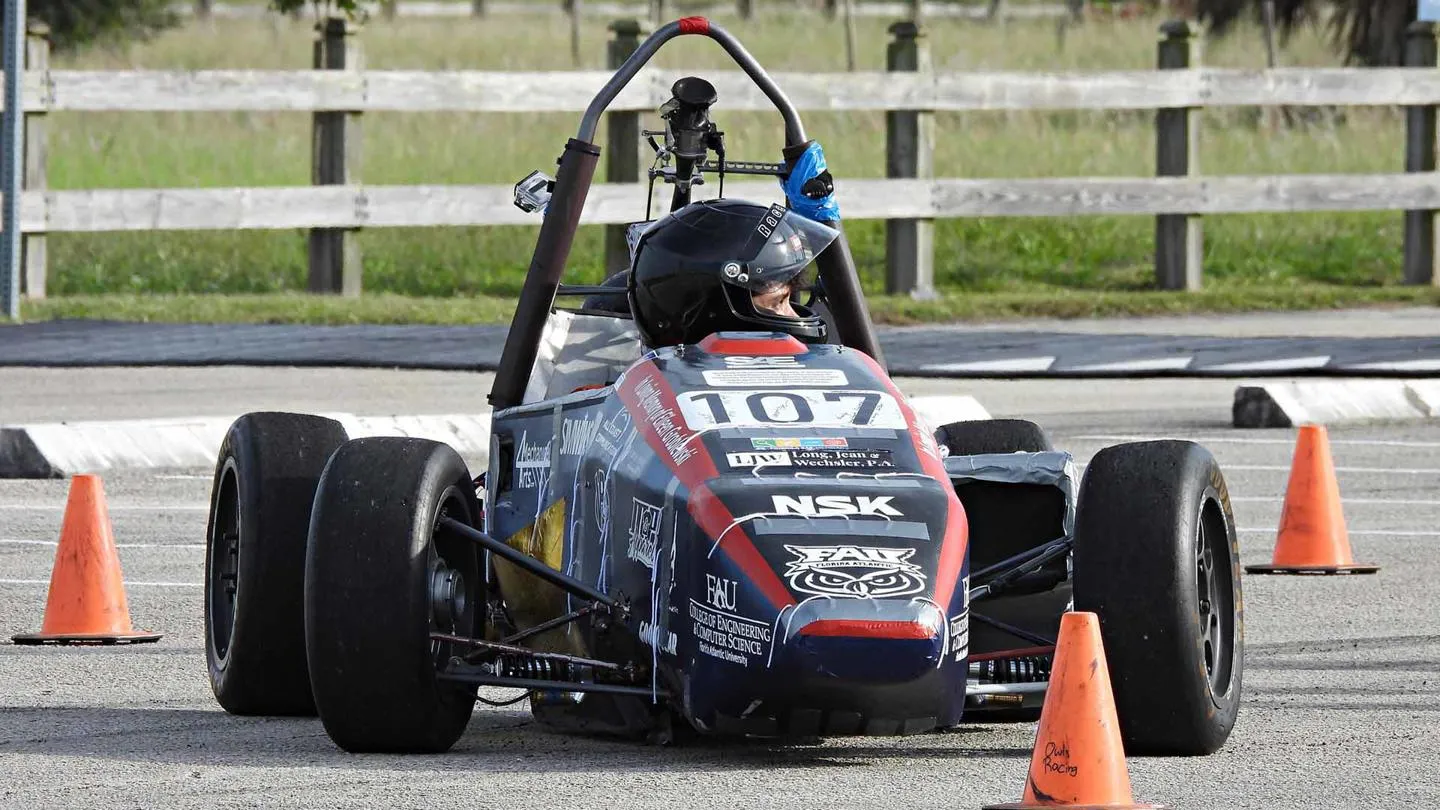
<point>695,270</point>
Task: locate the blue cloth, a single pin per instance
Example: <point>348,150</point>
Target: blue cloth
<point>810,165</point>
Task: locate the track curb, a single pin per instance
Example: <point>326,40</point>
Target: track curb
<point>1335,402</point>
<point>60,449</point>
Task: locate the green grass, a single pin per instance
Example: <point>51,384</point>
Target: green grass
<point>994,266</point>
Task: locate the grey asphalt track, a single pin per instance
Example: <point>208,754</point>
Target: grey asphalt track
<point>1342,675</point>
<point>1356,342</point>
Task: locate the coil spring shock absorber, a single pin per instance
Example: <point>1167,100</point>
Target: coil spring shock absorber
<point>1021,669</point>
<point>516,666</point>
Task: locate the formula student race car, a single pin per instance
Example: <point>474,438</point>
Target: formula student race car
<point>748,535</point>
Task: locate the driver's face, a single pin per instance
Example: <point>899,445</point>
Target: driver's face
<point>775,300</point>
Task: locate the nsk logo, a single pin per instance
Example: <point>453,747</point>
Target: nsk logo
<point>835,505</point>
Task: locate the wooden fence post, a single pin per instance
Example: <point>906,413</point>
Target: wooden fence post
<point>745,8</point>
<point>1179,238</point>
<point>477,8</point>
<point>909,152</point>
<point>203,9</point>
<point>574,9</point>
<point>659,13</point>
<point>32,245</point>
<point>335,160</point>
<point>622,141</point>
<point>1420,52</point>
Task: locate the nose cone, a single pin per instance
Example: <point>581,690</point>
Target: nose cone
<point>861,639</point>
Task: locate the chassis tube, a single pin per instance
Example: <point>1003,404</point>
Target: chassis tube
<point>547,267</point>
<point>845,299</point>
<point>794,130</point>
<point>557,578</point>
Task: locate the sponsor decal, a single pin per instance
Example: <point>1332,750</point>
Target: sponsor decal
<point>807,443</point>
<point>707,410</point>
<point>720,592</point>
<point>660,639</point>
<point>960,635</point>
<point>602,500</point>
<point>575,434</point>
<point>854,571</point>
<point>812,459</point>
<point>740,361</point>
<point>532,462</point>
<point>644,532</point>
<point>771,221</point>
<point>836,505</point>
<point>614,428</point>
<point>788,378</point>
<point>662,419</point>
<point>726,636</point>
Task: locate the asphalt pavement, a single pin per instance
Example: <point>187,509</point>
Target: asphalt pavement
<point>1342,674</point>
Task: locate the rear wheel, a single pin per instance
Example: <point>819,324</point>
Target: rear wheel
<point>379,580</point>
<point>993,436</point>
<point>1156,558</point>
<point>265,479</point>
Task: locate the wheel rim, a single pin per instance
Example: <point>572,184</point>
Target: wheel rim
<point>223,589</point>
<point>1215,596</point>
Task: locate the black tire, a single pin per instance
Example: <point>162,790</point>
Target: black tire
<point>1150,515</point>
<point>373,554</point>
<point>993,436</point>
<point>265,479</point>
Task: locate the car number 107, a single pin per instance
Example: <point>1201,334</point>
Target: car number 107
<point>705,410</point>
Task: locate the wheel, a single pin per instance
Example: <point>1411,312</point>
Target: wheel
<point>993,436</point>
<point>378,580</point>
<point>265,478</point>
<point>1156,558</point>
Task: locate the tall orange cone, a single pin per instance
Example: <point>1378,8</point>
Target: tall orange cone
<point>1312,538</point>
<point>1079,758</point>
<point>87,603</point>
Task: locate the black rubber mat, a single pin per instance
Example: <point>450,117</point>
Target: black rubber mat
<point>928,351</point>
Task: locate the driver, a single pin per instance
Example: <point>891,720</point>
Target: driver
<point>729,264</point>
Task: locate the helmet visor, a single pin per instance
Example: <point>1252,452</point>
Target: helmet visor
<point>783,244</point>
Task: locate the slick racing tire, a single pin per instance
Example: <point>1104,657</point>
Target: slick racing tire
<point>379,579</point>
<point>1156,558</point>
<point>265,479</point>
<point>993,436</point>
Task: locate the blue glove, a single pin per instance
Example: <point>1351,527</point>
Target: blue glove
<point>810,189</point>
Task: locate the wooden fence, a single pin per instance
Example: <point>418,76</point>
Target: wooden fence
<point>910,199</point>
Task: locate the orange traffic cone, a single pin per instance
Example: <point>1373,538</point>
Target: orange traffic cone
<point>86,604</point>
<point>1312,538</point>
<point>1079,759</point>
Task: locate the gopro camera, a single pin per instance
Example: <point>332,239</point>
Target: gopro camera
<point>533,193</point>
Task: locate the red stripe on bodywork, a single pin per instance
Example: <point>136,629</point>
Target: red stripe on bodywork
<point>865,628</point>
<point>957,529</point>
<point>656,415</point>
<point>768,346</point>
<point>694,25</point>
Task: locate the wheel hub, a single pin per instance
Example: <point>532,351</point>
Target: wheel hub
<point>447,596</point>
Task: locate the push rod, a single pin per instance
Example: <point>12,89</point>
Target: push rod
<point>525,561</point>
<point>482,679</point>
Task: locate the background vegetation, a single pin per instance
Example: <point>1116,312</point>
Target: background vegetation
<point>985,266</point>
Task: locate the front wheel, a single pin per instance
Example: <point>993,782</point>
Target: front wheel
<point>1156,557</point>
<point>379,580</point>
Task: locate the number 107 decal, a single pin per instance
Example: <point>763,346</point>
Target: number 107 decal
<point>705,410</point>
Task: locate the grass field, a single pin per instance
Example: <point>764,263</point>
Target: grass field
<point>1016,266</point>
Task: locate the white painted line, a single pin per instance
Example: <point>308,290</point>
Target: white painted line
<point>1347,501</point>
<point>1425,364</point>
<point>1016,364</point>
<point>53,543</point>
<point>1369,470</point>
<point>1202,438</point>
<point>185,477</point>
<point>133,507</point>
<point>128,583</point>
<point>1364,532</point>
<point>1146,364</point>
<point>1281,364</point>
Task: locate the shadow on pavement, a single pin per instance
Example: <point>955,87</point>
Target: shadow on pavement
<point>495,741</point>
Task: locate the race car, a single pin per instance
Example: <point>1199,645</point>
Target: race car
<point>748,535</point>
